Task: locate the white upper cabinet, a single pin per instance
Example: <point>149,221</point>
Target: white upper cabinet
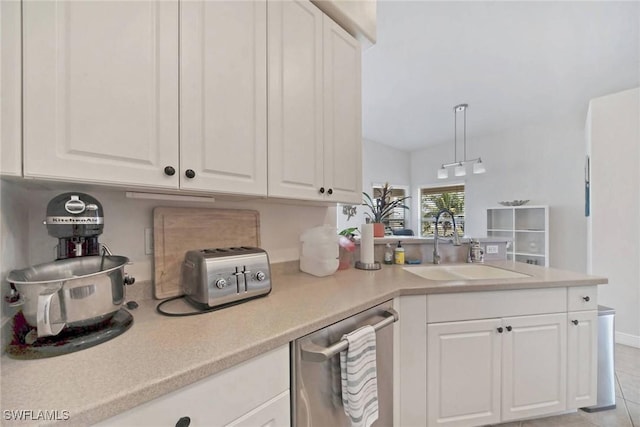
<point>314,127</point>
<point>10,87</point>
<point>173,94</point>
<point>342,114</point>
<point>295,100</point>
<point>101,91</point>
<point>223,96</point>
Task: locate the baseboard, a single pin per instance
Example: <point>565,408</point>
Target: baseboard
<point>628,339</point>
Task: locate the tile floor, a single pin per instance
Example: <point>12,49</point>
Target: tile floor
<point>627,411</point>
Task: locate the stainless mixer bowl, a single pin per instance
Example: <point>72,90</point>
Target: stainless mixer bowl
<point>71,292</point>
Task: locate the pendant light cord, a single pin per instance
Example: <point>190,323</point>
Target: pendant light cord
<point>465,134</point>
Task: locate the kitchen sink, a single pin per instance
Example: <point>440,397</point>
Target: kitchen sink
<point>464,272</point>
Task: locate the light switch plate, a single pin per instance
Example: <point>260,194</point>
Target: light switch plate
<point>148,241</point>
<point>492,249</point>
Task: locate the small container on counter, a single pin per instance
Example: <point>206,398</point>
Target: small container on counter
<point>319,253</point>
<point>399,254</point>
<point>388,254</point>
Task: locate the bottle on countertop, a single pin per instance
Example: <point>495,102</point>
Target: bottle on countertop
<point>399,254</point>
<point>388,254</point>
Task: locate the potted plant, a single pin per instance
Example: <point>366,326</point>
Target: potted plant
<point>382,208</point>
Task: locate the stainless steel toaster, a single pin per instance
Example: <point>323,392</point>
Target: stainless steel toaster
<point>219,276</point>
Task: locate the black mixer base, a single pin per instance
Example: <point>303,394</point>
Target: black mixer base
<point>24,346</point>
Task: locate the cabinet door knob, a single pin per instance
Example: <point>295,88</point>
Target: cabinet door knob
<point>587,299</point>
<point>183,422</point>
<point>575,322</point>
<point>330,191</point>
<point>321,190</point>
<point>169,170</point>
<point>500,330</point>
<point>189,173</point>
<point>509,328</point>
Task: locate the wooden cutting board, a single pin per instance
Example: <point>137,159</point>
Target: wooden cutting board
<point>178,230</point>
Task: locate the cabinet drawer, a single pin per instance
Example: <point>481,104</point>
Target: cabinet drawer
<point>582,298</point>
<point>218,399</point>
<point>483,305</point>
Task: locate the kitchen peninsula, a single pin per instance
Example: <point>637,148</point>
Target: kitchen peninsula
<point>160,355</point>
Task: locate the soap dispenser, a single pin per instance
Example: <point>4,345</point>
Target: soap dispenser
<point>399,254</point>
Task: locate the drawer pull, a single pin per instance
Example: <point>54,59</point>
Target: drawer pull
<point>183,422</point>
<point>586,299</point>
<point>509,328</point>
<point>500,330</point>
<point>575,322</point>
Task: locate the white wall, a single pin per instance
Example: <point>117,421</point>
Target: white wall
<point>380,164</point>
<point>613,131</point>
<point>542,163</point>
<point>125,221</point>
<point>14,251</point>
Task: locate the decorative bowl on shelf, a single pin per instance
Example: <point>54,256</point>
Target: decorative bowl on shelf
<point>514,203</point>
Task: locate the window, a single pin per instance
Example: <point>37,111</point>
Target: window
<point>436,198</point>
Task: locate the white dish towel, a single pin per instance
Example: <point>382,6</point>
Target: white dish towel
<point>359,377</point>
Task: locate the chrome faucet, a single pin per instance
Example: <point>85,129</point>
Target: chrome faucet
<point>455,240</point>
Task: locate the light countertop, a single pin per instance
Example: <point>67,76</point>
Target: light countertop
<point>160,354</point>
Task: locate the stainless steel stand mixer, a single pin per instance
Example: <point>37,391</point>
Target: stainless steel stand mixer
<point>79,296</point>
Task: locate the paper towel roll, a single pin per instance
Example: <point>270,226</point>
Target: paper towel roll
<point>366,244</point>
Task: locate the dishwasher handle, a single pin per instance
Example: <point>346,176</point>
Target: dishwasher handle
<point>314,353</point>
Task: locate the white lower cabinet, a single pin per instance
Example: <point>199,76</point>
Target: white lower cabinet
<point>252,394</point>
<point>463,373</point>
<point>582,353</point>
<point>534,365</point>
<point>274,413</point>
<point>487,371</point>
<point>496,356</point>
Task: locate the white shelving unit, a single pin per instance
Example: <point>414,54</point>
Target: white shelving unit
<point>527,227</point>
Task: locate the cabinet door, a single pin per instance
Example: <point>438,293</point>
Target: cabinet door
<point>295,126</point>
<point>274,413</point>
<point>534,371</point>
<point>463,373</point>
<point>10,87</point>
<point>582,354</point>
<point>342,115</point>
<point>101,91</point>
<point>223,96</point>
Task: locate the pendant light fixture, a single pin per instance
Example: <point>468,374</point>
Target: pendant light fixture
<point>460,166</point>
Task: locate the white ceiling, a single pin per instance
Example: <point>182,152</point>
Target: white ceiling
<point>515,63</point>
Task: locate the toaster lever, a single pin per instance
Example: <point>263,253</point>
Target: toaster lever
<point>239,278</point>
<point>247,277</point>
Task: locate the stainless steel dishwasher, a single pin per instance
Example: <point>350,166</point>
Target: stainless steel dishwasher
<point>315,370</point>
